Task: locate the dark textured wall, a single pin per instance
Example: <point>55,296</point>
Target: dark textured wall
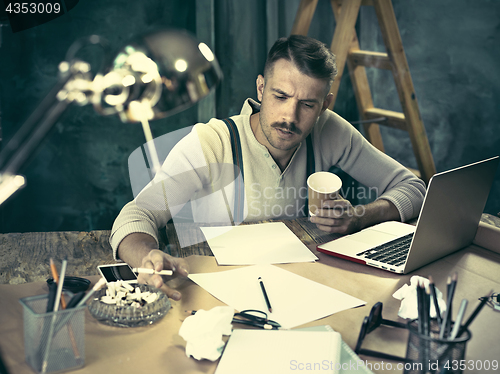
<point>241,50</point>
<point>79,179</point>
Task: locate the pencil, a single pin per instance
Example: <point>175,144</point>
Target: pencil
<point>435,300</point>
<point>64,305</point>
<point>268,303</point>
<point>55,275</point>
<point>445,325</point>
<point>451,294</point>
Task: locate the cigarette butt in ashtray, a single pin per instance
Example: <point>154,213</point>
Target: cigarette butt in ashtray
<point>322,186</point>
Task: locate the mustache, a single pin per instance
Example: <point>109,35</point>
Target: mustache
<point>287,126</point>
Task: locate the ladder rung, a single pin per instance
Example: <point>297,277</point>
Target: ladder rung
<point>363,2</point>
<point>378,60</point>
<point>394,119</point>
<point>345,44</point>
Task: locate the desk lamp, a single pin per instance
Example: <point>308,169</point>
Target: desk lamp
<point>153,76</point>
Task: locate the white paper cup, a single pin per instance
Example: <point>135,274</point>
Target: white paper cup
<point>322,186</point>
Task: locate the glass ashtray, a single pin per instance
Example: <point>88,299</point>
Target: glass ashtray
<point>130,316</point>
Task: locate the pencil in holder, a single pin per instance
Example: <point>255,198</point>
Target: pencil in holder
<point>428,353</point>
<point>53,342</point>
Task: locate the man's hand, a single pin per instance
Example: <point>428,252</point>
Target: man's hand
<point>141,250</point>
<point>158,261</point>
<point>339,216</point>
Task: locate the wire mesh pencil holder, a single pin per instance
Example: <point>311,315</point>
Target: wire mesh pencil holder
<point>429,354</point>
<point>53,342</point>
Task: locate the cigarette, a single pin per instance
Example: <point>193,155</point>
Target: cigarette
<point>152,271</point>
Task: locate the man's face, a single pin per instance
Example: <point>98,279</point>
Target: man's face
<point>291,103</point>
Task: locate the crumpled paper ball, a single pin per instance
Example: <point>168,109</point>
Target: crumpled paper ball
<point>203,332</point>
<point>408,296</point>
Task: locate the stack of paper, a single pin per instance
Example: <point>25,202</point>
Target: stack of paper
<point>295,300</point>
<point>280,351</point>
<point>267,243</point>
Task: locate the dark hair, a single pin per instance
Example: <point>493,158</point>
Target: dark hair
<point>309,55</point>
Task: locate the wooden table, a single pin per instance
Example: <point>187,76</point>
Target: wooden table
<point>24,257</point>
<point>159,348</point>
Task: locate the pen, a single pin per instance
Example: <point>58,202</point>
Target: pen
<point>474,314</point>
<point>96,287</point>
<point>448,289</point>
<point>420,306</point>
<point>452,294</point>
<point>152,271</point>
<point>265,326</point>
<point>445,326</point>
<point>458,321</point>
<point>75,299</point>
<point>52,323</point>
<point>52,297</point>
<point>460,330</point>
<point>68,316</point>
<point>270,325</point>
<point>427,310</point>
<point>268,303</point>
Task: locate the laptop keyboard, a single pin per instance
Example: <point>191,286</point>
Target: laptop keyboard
<point>392,253</point>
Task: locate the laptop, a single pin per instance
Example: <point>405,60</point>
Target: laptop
<point>448,221</point>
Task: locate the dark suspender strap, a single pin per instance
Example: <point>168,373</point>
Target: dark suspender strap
<point>310,156</point>
<point>239,193</point>
<point>311,168</point>
<point>239,198</point>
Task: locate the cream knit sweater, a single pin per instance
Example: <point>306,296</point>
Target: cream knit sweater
<point>200,168</point>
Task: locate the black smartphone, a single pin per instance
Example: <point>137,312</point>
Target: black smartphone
<point>117,272</point>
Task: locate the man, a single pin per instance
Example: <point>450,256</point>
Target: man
<point>294,97</point>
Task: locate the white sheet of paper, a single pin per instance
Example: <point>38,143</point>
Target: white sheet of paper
<point>295,300</point>
<point>266,243</point>
<point>284,351</point>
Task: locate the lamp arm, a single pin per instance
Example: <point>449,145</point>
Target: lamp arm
<point>28,126</point>
<point>155,75</point>
<point>23,144</point>
<point>34,139</point>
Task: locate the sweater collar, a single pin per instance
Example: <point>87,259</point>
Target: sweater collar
<point>250,106</point>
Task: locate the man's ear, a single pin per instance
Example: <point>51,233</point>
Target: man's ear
<point>260,87</point>
<point>326,103</point>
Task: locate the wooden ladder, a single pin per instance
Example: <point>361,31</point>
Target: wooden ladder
<point>345,45</point>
